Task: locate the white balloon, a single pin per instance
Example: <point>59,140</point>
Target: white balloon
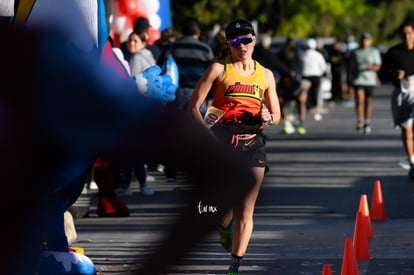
<point>149,6</point>
<point>154,20</point>
<point>124,35</point>
<point>118,23</point>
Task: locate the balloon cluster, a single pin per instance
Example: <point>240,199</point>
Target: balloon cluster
<point>126,11</point>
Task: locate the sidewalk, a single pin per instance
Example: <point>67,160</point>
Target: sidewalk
<point>305,211</point>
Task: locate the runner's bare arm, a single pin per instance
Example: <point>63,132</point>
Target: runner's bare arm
<point>271,98</point>
<point>203,87</point>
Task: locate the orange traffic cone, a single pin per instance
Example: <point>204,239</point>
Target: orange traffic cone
<point>349,263</point>
<point>363,208</point>
<point>360,240</point>
<point>377,205</point>
<point>327,269</point>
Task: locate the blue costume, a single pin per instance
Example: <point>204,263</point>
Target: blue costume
<point>79,108</point>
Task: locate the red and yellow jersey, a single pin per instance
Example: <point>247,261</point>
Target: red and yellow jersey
<point>237,95</point>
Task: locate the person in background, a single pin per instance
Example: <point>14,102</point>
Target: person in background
<point>164,44</point>
<point>292,88</point>
<point>141,25</point>
<point>284,76</point>
<point>314,67</point>
<point>398,67</point>
<point>166,60</point>
<point>290,56</point>
<point>192,57</point>
<point>337,60</point>
<point>140,59</point>
<point>365,62</point>
<point>240,85</point>
<point>219,44</point>
<point>350,45</point>
<point>271,61</point>
<point>167,64</point>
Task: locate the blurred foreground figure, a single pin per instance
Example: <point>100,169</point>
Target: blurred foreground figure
<point>60,110</point>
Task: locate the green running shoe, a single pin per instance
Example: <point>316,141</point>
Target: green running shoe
<point>301,129</point>
<point>232,273</point>
<point>226,236</point>
<point>288,128</point>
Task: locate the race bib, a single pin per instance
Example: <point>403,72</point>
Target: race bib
<point>212,115</point>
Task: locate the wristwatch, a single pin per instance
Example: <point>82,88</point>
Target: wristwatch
<point>270,121</point>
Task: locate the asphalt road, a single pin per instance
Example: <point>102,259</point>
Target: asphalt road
<point>306,209</point>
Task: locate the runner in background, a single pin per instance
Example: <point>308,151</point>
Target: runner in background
<point>398,67</point>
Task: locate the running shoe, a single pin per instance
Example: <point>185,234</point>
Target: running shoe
<point>226,236</point>
<point>288,128</point>
<point>232,273</point>
<point>360,127</point>
<point>404,163</point>
<point>317,117</point>
<point>348,103</point>
<point>146,191</point>
<point>150,178</point>
<point>301,129</point>
<point>93,185</point>
<point>367,129</point>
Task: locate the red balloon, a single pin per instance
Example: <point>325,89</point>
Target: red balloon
<point>128,7</point>
<point>121,6</point>
<point>154,35</point>
<point>139,14</point>
<point>129,24</point>
<point>132,8</point>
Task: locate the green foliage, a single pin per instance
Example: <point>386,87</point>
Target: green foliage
<point>298,18</point>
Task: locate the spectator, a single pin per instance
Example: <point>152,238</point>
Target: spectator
<point>166,61</point>
<point>141,25</point>
<point>141,58</point>
<point>164,44</point>
<point>192,57</point>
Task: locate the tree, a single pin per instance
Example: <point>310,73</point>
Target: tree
<point>298,18</point>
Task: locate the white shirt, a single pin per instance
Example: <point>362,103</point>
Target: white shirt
<point>314,64</point>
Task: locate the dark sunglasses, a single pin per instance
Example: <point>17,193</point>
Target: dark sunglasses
<point>237,41</point>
